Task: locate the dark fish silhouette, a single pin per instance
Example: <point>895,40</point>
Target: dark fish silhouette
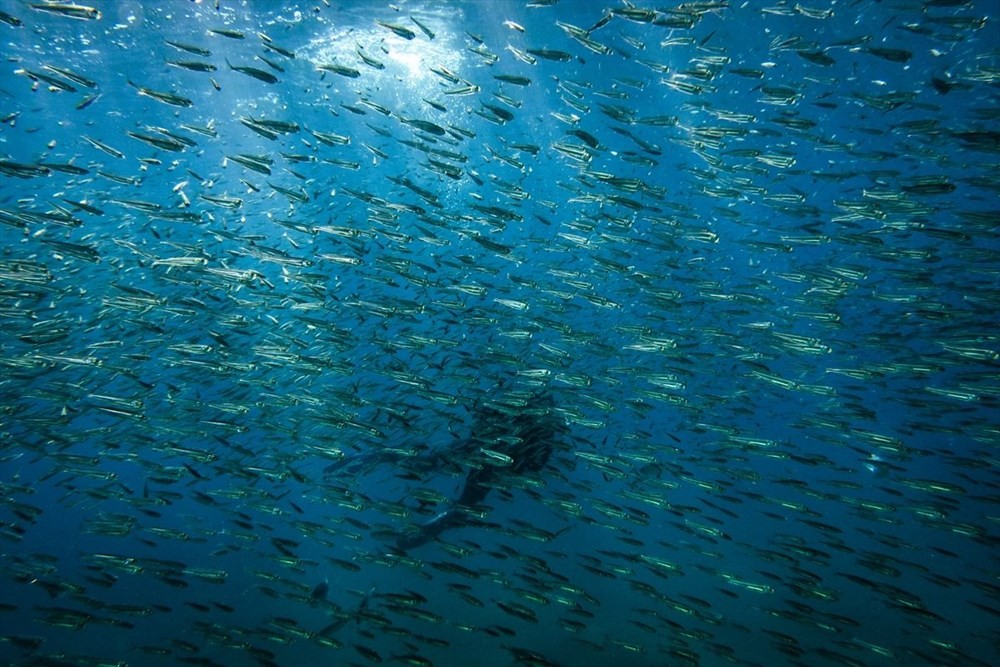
<point>320,591</point>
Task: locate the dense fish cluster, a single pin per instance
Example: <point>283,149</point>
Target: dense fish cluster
<point>528,332</point>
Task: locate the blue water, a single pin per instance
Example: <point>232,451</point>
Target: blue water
<point>749,250</point>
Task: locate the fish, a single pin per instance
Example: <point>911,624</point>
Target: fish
<point>399,30</point>
<point>69,10</point>
<point>512,79</point>
<point>320,591</point>
<point>270,45</point>
<point>423,27</point>
<point>253,72</point>
<point>368,60</point>
<point>228,32</point>
<point>87,101</point>
<point>892,55</point>
<point>113,152</point>
<point>53,82</point>
<point>424,126</point>
<point>551,54</point>
<point>192,65</point>
<point>622,322</point>
<point>71,76</point>
<point>158,142</point>
<point>171,99</point>
<point>189,48</point>
<point>10,19</point>
<point>342,70</point>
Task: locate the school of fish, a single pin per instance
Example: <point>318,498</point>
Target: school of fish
<point>260,262</point>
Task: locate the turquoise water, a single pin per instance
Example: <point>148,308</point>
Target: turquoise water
<point>699,300</point>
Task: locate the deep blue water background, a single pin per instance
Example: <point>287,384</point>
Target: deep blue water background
<point>789,372</point>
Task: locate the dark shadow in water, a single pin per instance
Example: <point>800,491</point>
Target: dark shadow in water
<point>512,436</point>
